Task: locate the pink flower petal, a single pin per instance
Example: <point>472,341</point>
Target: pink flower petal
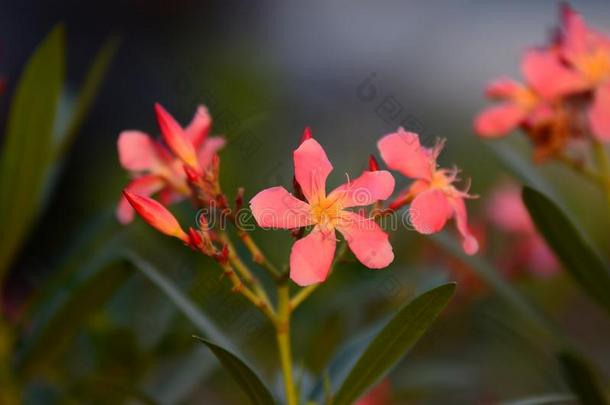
<point>429,211</point>
<point>499,120</point>
<point>145,186</point>
<point>276,208</point>
<point>575,33</point>
<point>138,151</point>
<point>365,190</point>
<point>469,242</point>
<point>311,257</point>
<point>311,168</point>
<point>156,215</point>
<point>503,88</point>
<point>402,151</point>
<point>210,147</point>
<point>200,125</point>
<point>599,114</point>
<point>541,258</point>
<point>506,210</point>
<point>175,137</point>
<point>366,239</point>
<point>548,76</point>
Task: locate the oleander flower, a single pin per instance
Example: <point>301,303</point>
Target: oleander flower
<point>435,199</point>
<point>538,106</point>
<point>587,51</point>
<point>158,169</point>
<point>311,256</point>
<point>529,251</point>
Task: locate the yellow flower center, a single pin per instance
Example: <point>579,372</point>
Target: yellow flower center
<point>526,98</point>
<point>440,180</point>
<point>326,213</point>
<point>595,65</point>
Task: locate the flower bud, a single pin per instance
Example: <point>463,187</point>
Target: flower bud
<point>176,138</point>
<point>191,174</point>
<point>373,165</point>
<point>306,135</point>
<point>156,215</point>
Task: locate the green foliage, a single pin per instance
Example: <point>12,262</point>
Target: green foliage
<point>582,379</point>
<point>243,375</point>
<point>28,144</point>
<point>395,339</point>
<point>570,245</point>
<point>31,151</point>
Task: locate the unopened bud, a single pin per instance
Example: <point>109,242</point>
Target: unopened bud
<point>373,165</point>
<point>306,135</point>
<point>156,215</point>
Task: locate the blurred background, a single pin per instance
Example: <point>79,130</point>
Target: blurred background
<point>98,331</point>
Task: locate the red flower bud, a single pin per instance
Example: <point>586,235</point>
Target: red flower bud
<point>223,256</point>
<point>373,165</point>
<point>306,135</point>
<point>191,174</point>
<point>195,238</point>
<point>156,215</point>
<point>239,199</point>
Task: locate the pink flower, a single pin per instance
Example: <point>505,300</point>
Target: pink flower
<point>588,52</point>
<point>528,104</point>
<point>435,199</point>
<point>311,257</point>
<point>506,211</point>
<point>159,170</point>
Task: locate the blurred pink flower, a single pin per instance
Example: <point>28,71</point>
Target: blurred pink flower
<point>566,94</point>
<point>155,168</point>
<point>381,394</point>
<point>435,198</point>
<point>528,104</point>
<point>588,52</point>
<point>507,212</point>
<point>311,256</point>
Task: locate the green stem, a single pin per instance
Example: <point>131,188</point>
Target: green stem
<point>282,330</point>
<point>9,394</point>
<point>603,164</point>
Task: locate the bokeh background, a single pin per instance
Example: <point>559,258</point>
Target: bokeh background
<point>352,71</point>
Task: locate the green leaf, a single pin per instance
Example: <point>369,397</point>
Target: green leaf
<point>582,379</point>
<point>88,91</point>
<point>538,320</point>
<point>548,399</point>
<point>182,302</point>
<point>395,339</point>
<point>519,167</point>
<point>571,247</point>
<point>27,148</point>
<point>80,294</point>
<point>243,375</point>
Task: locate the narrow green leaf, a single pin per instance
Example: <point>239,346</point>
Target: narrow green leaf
<point>395,339</point>
<point>27,148</point>
<point>582,379</point>
<point>548,399</point>
<point>519,167</point>
<point>538,320</point>
<point>86,293</point>
<point>571,247</point>
<point>182,302</point>
<point>243,375</point>
<point>88,91</point>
